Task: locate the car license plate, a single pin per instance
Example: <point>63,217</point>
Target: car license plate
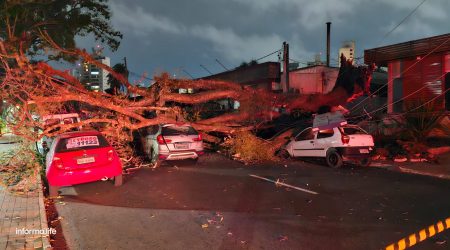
<point>181,145</point>
<point>85,160</point>
<point>364,151</point>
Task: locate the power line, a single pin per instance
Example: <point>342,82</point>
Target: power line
<point>206,69</point>
<point>187,73</point>
<point>267,55</point>
<point>217,60</point>
<point>402,21</point>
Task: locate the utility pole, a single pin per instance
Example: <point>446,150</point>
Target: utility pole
<point>328,43</point>
<point>285,79</point>
<point>126,66</point>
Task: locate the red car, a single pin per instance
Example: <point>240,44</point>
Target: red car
<point>80,157</point>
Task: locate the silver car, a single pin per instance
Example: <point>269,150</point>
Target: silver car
<point>172,142</point>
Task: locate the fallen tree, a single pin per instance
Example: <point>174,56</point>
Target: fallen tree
<point>35,88</point>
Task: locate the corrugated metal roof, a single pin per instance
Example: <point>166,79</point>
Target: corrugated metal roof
<point>420,47</point>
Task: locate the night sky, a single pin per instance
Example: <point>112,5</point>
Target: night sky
<point>177,35</point>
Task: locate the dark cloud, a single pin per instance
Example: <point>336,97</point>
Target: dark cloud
<point>176,35</point>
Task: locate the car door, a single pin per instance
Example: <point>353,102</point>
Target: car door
<point>303,145</point>
<point>324,138</point>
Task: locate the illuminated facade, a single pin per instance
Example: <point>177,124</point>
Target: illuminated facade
<point>348,50</point>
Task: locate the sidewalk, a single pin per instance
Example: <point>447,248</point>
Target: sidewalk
<point>19,211</point>
<point>441,170</point>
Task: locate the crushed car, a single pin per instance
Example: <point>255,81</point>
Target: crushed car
<point>332,139</point>
<point>165,142</point>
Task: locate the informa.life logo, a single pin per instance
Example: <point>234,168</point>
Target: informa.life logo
<point>44,231</point>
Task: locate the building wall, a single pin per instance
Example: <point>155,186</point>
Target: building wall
<point>258,76</point>
<point>104,74</point>
<point>416,80</point>
<point>313,80</point>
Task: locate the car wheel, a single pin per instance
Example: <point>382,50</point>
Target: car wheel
<point>53,191</point>
<point>118,180</point>
<point>334,159</point>
<point>365,162</point>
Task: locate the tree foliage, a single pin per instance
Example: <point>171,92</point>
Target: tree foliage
<point>23,23</point>
<point>115,84</point>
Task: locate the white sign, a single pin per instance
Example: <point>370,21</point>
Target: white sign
<point>82,141</point>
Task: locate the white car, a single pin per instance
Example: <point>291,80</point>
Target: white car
<point>347,143</point>
<point>43,145</point>
<point>172,142</point>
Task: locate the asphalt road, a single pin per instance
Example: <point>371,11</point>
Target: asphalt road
<point>217,205</point>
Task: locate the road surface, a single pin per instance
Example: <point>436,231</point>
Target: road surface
<point>216,204</point>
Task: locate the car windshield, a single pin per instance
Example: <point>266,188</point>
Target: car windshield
<point>178,130</point>
<point>353,131</point>
<point>81,143</point>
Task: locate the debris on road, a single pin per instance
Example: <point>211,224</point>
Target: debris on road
<point>280,183</point>
<point>282,238</point>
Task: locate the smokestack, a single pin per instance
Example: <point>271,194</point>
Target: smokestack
<point>328,43</point>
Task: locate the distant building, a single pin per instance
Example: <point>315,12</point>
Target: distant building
<point>263,76</point>
<point>418,72</point>
<point>92,76</point>
<point>348,50</point>
<point>317,60</point>
<point>318,79</point>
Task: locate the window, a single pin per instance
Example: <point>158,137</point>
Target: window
<point>353,131</point>
<point>325,133</point>
<point>178,130</point>
<point>81,143</point>
<point>307,134</point>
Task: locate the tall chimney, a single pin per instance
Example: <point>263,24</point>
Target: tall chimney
<point>328,43</point>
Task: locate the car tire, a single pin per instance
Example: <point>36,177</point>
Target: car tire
<point>118,180</point>
<point>334,159</point>
<point>365,162</point>
<point>53,191</point>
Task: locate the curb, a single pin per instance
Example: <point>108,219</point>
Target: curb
<point>417,172</point>
<point>43,215</point>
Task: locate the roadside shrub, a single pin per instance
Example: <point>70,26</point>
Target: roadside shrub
<point>419,121</point>
<point>248,148</point>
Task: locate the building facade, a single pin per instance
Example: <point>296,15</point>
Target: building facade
<point>348,50</point>
<point>418,72</point>
<point>318,79</point>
